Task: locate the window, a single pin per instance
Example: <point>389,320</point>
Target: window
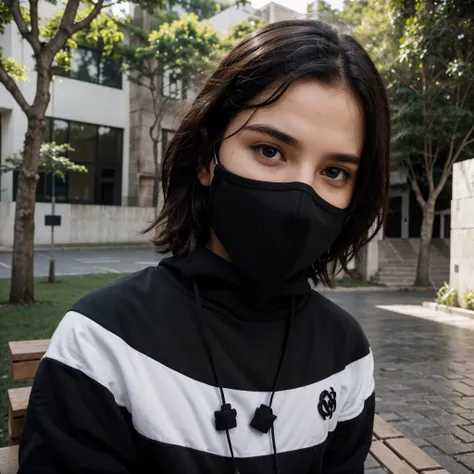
<point>89,65</point>
<point>83,138</point>
<point>174,87</point>
<point>96,147</point>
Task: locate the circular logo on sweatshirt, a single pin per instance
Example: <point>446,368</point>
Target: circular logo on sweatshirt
<point>327,403</point>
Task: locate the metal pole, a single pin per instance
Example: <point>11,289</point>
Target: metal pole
<point>51,277</point>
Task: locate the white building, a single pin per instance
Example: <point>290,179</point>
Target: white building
<point>270,12</point>
<point>90,109</point>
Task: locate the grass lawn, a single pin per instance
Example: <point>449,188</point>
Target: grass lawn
<point>19,323</point>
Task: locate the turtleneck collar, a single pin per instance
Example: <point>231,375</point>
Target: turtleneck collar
<point>222,285</point>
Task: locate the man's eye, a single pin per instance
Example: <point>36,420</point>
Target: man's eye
<point>337,174</point>
<point>267,151</point>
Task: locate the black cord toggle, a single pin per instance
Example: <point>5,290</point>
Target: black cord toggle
<point>226,418</point>
<point>263,419</point>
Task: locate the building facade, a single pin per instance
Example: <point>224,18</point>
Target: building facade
<point>90,110</point>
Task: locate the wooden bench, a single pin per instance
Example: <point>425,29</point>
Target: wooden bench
<point>395,453</point>
<point>398,455</point>
<point>25,357</point>
<point>9,460</point>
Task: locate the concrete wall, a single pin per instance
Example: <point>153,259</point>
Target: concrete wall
<point>81,224</point>
<point>462,228</point>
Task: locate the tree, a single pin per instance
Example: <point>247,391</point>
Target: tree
<point>53,160</point>
<point>204,9</point>
<point>369,22</point>
<point>173,56</point>
<point>239,31</point>
<point>433,102</point>
<point>50,40</point>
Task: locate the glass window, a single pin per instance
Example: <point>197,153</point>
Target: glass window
<point>89,65</point>
<point>84,65</point>
<point>110,144</point>
<point>43,189</point>
<point>100,149</point>
<point>109,186</point>
<point>109,73</point>
<point>47,131</point>
<point>60,131</point>
<point>83,138</point>
<point>60,188</point>
<point>81,187</point>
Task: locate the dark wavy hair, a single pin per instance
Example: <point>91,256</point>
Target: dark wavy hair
<point>279,53</point>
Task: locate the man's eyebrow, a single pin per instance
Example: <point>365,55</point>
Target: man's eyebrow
<point>292,141</point>
<point>273,132</point>
<point>346,158</point>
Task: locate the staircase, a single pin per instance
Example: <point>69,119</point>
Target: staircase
<point>398,259</point>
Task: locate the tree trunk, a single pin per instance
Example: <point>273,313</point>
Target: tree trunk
<point>22,282</point>
<point>423,265</point>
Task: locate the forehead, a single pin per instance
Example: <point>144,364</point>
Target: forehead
<point>316,114</point>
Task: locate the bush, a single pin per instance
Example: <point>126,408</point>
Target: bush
<point>469,299</point>
<point>447,296</point>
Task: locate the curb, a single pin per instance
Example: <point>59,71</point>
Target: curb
<point>467,313</point>
<point>59,248</point>
<point>374,289</point>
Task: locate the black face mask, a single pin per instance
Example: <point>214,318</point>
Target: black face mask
<point>272,231</point>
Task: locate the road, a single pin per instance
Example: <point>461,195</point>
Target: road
<point>424,369</point>
<point>87,261</point>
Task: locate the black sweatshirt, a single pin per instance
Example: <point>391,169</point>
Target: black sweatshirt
<point>127,386</point>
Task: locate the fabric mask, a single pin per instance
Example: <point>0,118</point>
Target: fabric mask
<point>272,231</point>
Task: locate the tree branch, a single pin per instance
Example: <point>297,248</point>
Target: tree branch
<point>452,158</point>
<point>414,183</point>
<point>12,87</point>
<point>34,18</point>
<point>464,143</point>
<point>67,26</point>
<point>33,40</point>
<point>88,20</point>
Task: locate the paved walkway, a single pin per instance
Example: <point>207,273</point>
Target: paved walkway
<point>424,372</point>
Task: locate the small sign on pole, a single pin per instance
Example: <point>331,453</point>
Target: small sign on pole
<point>52,221</point>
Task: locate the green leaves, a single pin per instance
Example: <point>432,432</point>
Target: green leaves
<point>240,31</point>
<point>53,159</point>
<point>17,71</point>
<point>185,47</point>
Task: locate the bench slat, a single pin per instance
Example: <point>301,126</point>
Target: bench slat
<point>24,370</point>
<point>412,454</point>
<point>27,350</point>
<point>389,459</point>
<point>9,460</point>
<point>384,430</point>
<point>18,399</point>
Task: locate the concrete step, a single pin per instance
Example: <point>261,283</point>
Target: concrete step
<point>405,270</point>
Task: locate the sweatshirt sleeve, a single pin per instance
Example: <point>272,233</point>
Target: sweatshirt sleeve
<point>73,423</point>
<point>349,444</point>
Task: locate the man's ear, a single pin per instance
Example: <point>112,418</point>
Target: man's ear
<point>204,172</point>
<point>204,175</point>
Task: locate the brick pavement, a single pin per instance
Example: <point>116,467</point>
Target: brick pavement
<point>424,373</point>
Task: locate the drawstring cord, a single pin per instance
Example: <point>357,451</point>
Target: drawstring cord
<point>205,337</point>
<point>225,406</point>
<point>275,383</point>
